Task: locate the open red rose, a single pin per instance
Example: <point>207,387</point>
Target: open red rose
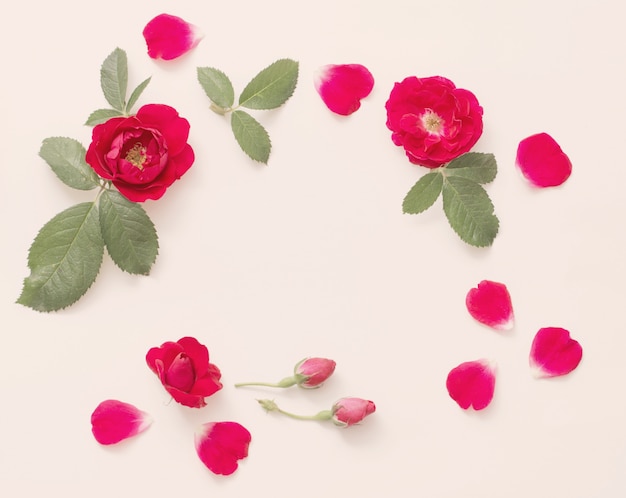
<point>143,154</point>
<point>184,370</point>
<point>433,120</point>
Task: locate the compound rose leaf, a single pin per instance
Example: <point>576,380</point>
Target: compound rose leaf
<point>475,166</point>
<point>100,116</point>
<point>490,304</point>
<point>136,93</point>
<point>217,86</point>
<point>66,157</point>
<point>423,194</point>
<point>542,161</point>
<point>469,211</point>
<point>251,136</point>
<point>342,86</point>
<point>554,352</point>
<point>472,384</point>
<point>113,421</point>
<point>220,445</point>
<point>129,234</point>
<point>64,259</point>
<point>114,79</point>
<point>272,87</point>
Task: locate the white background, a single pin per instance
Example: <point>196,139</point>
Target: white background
<point>311,256</point>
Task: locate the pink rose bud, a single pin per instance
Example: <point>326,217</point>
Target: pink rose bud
<point>350,411</point>
<point>344,413</point>
<point>308,373</point>
<point>313,372</point>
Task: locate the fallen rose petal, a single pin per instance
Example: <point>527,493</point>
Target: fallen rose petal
<point>342,86</point>
<point>490,304</point>
<point>472,384</point>
<point>113,421</point>
<point>221,444</point>
<point>554,352</point>
<point>169,37</point>
<point>542,161</point>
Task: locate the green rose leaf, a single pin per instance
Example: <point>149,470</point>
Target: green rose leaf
<point>423,194</point>
<point>469,211</point>
<point>134,96</point>
<point>64,259</point>
<point>129,234</point>
<point>217,86</point>
<point>272,86</point>
<point>102,116</point>
<point>66,157</point>
<point>114,79</point>
<point>476,166</point>
<point>251,136</point>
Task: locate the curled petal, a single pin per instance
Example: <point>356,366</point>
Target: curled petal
<point>113,421</point>
<point>554,352</point>
<point>342,86</point>
<point>472,384</point>
<point>169,37</point>
<point>490,304</point>
<point>542,161</point>
<point>220,445</point>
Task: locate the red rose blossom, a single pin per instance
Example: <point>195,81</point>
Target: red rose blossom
<point>143,154</point>
<point>184,370</point>
<point>433,120</point>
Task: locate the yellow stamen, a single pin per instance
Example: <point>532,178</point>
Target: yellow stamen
<point>137,155</point>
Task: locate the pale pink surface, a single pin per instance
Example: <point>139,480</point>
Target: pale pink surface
<point>554,352</point>
<point>220,445</point>
<point>342,86</point>
<point>113,421</point>
<point>542,161</point>
<point>169,37</point>
<point>472,384</point>
<point>490,303</point>
<point>350,411</point>
<point>316,370</point>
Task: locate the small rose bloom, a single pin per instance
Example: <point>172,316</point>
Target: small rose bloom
<point>313,372</point>
<point>169,37</point>
<point>113,421</point>
<point>144,154</point>
<point>220,445</point>
<point>350,411</point>
<point>184,370</point>
<point>433,120</point>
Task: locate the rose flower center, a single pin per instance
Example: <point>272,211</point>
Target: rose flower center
<point>181,374</point>
<point>432,122</point>
<point>137,155</point>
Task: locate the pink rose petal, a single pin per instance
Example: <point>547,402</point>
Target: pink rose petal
<point>221,444</point>
<point>342,86</point>
<point>113,421</point>
<point>490,304</point>
<point>472,384</point>
<point>169,37</point>
<point>542,161</point>
<point>554,352</point>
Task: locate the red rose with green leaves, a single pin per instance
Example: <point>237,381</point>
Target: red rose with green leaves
<point>143,154</point>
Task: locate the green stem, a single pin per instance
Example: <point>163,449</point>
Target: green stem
<point>271,406</point>
<point>286,382</point>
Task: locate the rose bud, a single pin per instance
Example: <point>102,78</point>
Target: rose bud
<point>185,371</point>
<point>308,373</point>
<point>344,413</point>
